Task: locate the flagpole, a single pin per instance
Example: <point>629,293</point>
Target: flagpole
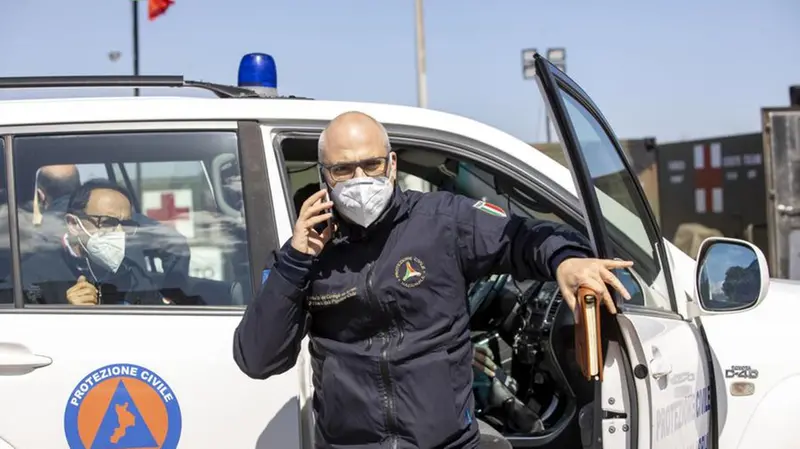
<point>135,42</point>
<point>136,73</point>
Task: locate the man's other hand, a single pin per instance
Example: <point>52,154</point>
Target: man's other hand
<point>305,238</point>
<point>482,360</point>
<point>593,274</point>
<point>83,293</point>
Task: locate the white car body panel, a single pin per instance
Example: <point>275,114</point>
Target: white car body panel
<point>265,412</point>
<point>175,348</point>
<point>761,338</point>
<point>665,347</point>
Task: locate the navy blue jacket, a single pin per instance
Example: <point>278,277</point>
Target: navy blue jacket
<point>386,310</point>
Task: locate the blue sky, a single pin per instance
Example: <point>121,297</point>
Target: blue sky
<point>671,69</point>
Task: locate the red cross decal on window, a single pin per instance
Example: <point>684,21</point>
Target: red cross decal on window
<point>168,212</point>
<point>708,177</point>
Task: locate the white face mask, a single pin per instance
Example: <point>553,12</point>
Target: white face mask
<point>106,248</point>
<point>362,200</point>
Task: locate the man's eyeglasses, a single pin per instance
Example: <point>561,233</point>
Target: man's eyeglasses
<point>371,167</point>
<point>107,223</point>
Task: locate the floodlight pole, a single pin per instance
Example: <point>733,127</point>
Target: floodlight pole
<point>529,73</point>
<point>558,57</point>
<point>406,180</point>
<point>422,87</point>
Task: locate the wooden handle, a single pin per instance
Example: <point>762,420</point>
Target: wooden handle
<point>586,295</point>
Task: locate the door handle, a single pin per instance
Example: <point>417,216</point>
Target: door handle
<point>658,366</point>
<point>18,359</point>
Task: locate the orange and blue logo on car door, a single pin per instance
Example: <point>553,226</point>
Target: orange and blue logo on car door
<point>122,406</point>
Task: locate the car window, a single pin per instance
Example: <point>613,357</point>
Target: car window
<point>167,192</point>
<point>159,238</point>
<point>407,181</point>
<point>6,284</point>
<point>474,182</point>
<point>617,195</point>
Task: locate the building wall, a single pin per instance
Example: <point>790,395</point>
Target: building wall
<point>731,165</point>
<point>670,178</point>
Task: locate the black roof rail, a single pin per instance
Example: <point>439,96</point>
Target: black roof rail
<point>220,90</point>
<point>32,82</point>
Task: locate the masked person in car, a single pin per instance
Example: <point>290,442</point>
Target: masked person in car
<point>91,266</point>
<point>381,290</point>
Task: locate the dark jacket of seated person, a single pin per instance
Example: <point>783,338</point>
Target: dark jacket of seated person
<point>91,266</point>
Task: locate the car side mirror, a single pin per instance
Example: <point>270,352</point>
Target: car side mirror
<point>732,276</point>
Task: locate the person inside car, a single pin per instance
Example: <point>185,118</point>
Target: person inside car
<point>91,266</point>
<point>384,285</point>
<point>54,185</point>
<point>41,219</point>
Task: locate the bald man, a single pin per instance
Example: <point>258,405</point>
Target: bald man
<point>41,222</point>
<point>385,301</point>
<point>54,185</point>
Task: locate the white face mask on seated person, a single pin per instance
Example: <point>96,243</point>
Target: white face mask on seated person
<point>362,200</point>
<point>107,248</point>
<point>104,247</point>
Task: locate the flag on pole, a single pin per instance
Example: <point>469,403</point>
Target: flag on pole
<point>156,8</point>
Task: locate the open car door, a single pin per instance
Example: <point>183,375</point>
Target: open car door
<point>665,353</point>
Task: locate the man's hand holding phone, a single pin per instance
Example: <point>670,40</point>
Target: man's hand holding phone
<point>315,210</point>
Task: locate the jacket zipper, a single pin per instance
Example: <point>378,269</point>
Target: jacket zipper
<point>388,396</point>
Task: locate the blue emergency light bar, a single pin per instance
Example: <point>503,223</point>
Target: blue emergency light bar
<point>258,70</point>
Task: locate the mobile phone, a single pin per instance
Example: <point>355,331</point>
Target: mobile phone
<point>324,185</point>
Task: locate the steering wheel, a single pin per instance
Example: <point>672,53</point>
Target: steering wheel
<point>483,292</point>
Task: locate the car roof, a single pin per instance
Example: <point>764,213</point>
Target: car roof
<point>30,112</point>
<point>159,108</point>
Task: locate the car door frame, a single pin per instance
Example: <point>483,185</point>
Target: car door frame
<point>551,80</point>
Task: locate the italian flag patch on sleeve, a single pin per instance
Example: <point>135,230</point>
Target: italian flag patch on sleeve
<point>489,208</point>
